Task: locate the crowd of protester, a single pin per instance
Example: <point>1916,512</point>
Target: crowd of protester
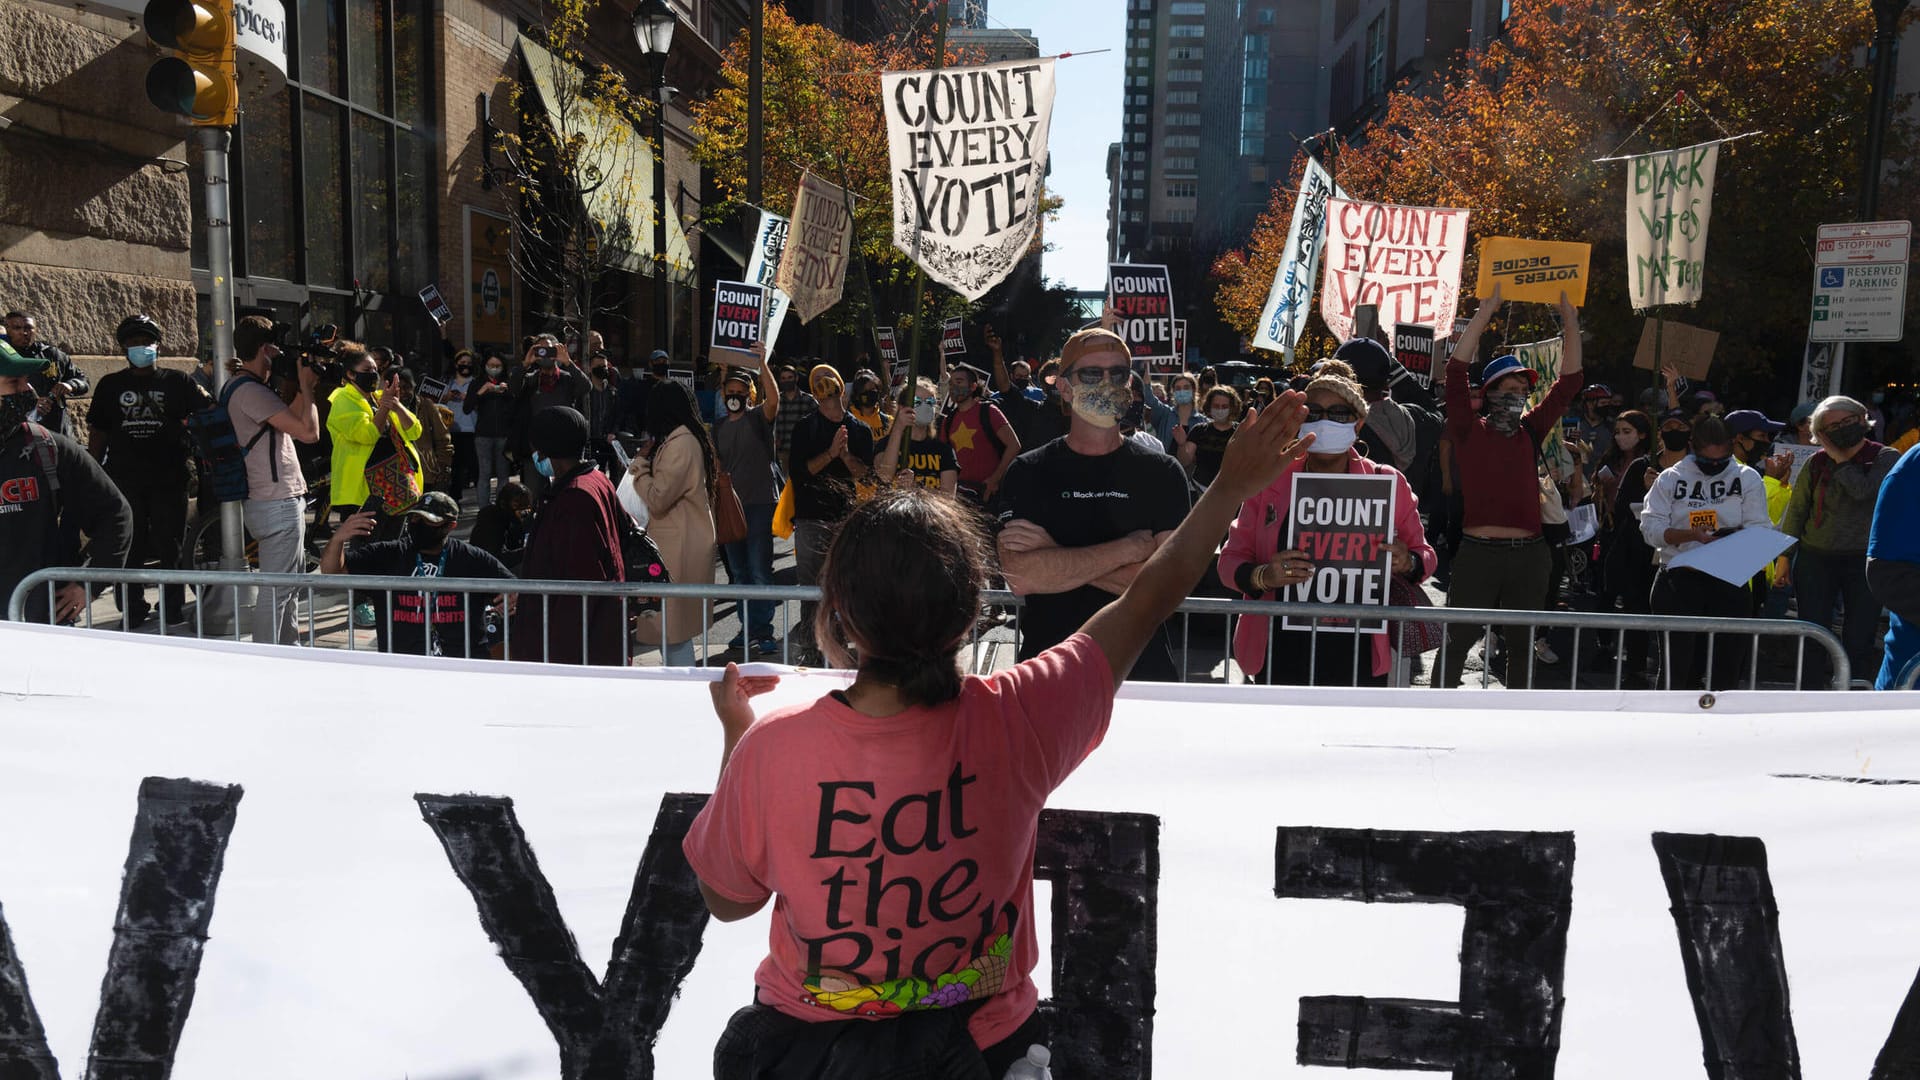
<point>1084,464</point>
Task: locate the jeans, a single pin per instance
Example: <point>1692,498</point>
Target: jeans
<point>491,450</point>
<point>1823,582</point>
<point>1500,574</point>
<point>679,655</point>
<point>810,542</point>
<point>279,527</point>
<point>750,562</point>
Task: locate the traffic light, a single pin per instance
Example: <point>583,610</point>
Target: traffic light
<point>199,81</point>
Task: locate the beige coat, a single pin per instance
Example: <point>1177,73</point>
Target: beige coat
<point>674,486</point>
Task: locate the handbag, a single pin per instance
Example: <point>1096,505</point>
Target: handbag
<point>1411,638</point>
<point>729,516</point>
<point>640,556</point>
<point>392,477</point>
<point>783,513</point>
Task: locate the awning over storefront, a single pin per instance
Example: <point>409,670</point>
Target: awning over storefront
<point>622,202</point>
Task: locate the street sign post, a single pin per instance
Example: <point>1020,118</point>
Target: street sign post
<point>1860,281</point>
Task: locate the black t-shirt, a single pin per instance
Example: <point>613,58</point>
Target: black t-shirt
<point>928,458</point>
<point>1082,501</point>
<point>828,494</point>
<point>142,414</point>
<point>1209,448</point>
<point>452,612</point>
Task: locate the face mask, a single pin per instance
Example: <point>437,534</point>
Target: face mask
<point>600,373</point>
<point>142,356</point>
<point>1220,416</point>
<point>1504,411</point>
<point>428,537</point>
<point>925,415</point>
<point>1101,405</point>
<point>1845,435</point>
<point>735,403</point>
<point>494,370</point>
<point>366,380</point>
<point>1712,466</point>
<point>542,464</point>
<point>1674,440</point>
<point>1757,452</point>
<point>1330,436</point>
<point>1022,384</point>
<point>15,408</point>
<point>867,399</point>
<point>546,361</point>
<point>1135,413</point>
<point>1183,397</point>
<point>463,369</point>
<point>660,373</point>
<point>1626,442</point>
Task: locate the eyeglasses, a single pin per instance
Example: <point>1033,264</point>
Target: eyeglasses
<point>1094,376</point>
<point>1339,414</point>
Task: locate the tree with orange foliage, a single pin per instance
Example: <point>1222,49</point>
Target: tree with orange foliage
<point>1514,132</point>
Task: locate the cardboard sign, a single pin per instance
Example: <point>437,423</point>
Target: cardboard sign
<point>813,264</point>
<point>738,313</point>
<point>1688,348</point>
<point>763,266</point>
<point>1344,524</point>
<point>1141,297</point>
<point>889,343</point>
<point>968,149</point>
<point>1669,206</point>
<point>1535,271</point>
<point>356,871</point>
<point>1404,260</point>
<point>436,305</point>
<point>1413,346</point>
<point>953,340</point>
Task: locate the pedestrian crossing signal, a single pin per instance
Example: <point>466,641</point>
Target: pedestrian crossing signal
<point>199,81</point>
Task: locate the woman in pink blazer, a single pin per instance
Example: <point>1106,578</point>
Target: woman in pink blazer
<point>1255,564</point>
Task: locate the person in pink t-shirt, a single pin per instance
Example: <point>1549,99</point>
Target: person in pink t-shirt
<point>894,824</point>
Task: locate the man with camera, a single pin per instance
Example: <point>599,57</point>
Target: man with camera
<point>275,506</point>
<point>547,378</point>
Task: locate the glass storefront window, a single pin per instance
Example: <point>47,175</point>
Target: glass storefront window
<point>319,32</point>
<point>326,239</point>
<point>367,60</point>
<point>372,234</point>
<point>266,183</point>
<point>413,247</point>
<point>409,62</point>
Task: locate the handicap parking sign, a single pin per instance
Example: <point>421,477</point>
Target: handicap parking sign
<point>1833,277</point>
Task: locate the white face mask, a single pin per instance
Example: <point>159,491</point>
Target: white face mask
<point>1329,436</point>
<point>1220,415</point>
<point>924,415</point>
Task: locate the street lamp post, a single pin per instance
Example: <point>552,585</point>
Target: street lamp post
<point>653,26</point>
<point>1886,14</point>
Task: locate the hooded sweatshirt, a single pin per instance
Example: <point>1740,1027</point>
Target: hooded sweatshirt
<point>1684,497</point>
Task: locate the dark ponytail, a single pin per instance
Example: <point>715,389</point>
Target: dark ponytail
<point>900,590</point>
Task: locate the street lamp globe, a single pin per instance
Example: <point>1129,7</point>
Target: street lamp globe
<point>653,25</point>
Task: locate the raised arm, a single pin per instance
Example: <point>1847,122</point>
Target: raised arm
<point>1261,447</point>
<point>769,388</point>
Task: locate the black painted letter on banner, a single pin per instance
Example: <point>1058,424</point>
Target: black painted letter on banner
<point>174,859</point>
<point>1105,870</point>
<point>1517,890</point>
<point>603,1030</point>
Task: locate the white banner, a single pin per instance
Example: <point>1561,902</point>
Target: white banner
<point>969,153</point>
<point>1521,848</point>
<point>1284,319</point>
<point>769,241</point>
<point>1669,204</point>
<point>1820,369</point>
<point>1405,260</point>
<point>813,265</point>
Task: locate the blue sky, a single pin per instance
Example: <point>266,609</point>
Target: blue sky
<point>1086,117</point>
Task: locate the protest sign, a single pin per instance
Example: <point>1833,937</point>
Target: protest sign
<point>1179,361</point>
<point>1405,260</point>
<point>432,389</point>
<point>1736,557</point>
<point>968,146</point>
<point>1413,346</point>
<point>1535,271</point>
<point>953,340</point>
<point>738,310</point>
<point>813,264</point>
<point>1543,359</point>
<point>1669,204</point>
<point>436,305</point>
<point>1141,298</point>
<point>423,859</point>
<point>1801,453</point>
<point>1284,319</point>
<point>1688,349</point>
<point>763,266</point>
<point>889,343</point>
<point>1820,368</point>
<point>1344,524</point>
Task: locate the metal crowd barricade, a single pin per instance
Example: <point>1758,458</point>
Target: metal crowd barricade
<point>989,636</point>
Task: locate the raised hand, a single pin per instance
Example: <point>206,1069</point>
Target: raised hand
<point>1264,444</point>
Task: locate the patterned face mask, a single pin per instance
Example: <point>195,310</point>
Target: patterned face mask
<point>1504,411</point>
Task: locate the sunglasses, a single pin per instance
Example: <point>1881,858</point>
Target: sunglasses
<point>1094,376</point>
<point>1339,414</point>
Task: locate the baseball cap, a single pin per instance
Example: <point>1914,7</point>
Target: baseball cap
<point>13,364</point>
<point>435,508</point>
<point>1801,412</point>
<point>1742,421</point>
<point>1680,415</point>
<point>1501,366</point>
<point>1597,392</point>
<point>658,354</point>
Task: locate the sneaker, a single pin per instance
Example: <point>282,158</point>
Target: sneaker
<point>766,647</point>
<point>739,642</point>
<point>1544,653</point>
<point>363,616</point>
